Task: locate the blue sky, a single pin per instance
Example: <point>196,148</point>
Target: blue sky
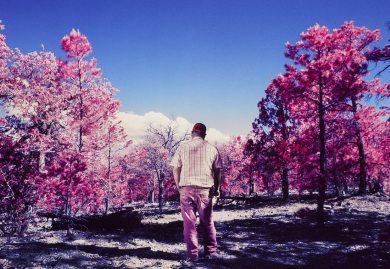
<point>207,61</point>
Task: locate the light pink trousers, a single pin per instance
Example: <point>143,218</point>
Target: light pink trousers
<point>192,200</point>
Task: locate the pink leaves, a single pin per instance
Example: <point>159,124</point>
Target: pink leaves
<point>324,85</point>
<point>5,57</point>
<point>238,171</point>
<point>66,112</point>
<point>291,51</point>
<point>76,45</point>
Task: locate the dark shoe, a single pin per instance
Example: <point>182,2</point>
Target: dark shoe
<point>189,262</point>
<point>213,257</point>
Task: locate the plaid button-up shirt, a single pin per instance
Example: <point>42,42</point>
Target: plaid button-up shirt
<point>197,159</point>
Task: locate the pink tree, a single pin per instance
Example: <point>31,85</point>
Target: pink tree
<point>327,72</point>
<point>19,166</point>
<point>17,193</point>
<point>350,83</point>
<point>273,130</point>
<point>159,145</point>
<point>110,147</point>
<point>25,83</point>
<point>314,92</point>
<point>70,114</point>
<point>375,136</point>
<point>88,105</point>
<point>239,175</point>
<point>232,156</point>
<point>140,178</point>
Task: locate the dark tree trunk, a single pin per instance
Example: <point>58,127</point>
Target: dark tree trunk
<point>362,166</point>
<point>335,181</point>
<point>285,184</point>
<point>161,191</point>
<point>362,156</point>
<point>68,214</point>
<point>251,182</point>
<point>106,206</point>
<point>322,177</point>
<point>285,187</point>
<point>336,185</point>
<point>251,187</point>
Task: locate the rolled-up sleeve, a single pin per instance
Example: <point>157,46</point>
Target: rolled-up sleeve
<point>176,160</point>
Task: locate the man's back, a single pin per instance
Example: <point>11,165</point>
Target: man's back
<point>197,158</point>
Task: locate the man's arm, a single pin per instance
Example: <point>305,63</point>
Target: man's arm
<point>217,174</point>
<point>176,175</point>
<point>217,181</point>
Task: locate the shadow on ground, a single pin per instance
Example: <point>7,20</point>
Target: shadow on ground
<point>349,240</point>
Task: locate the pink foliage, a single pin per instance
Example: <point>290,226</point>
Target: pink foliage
<point>237,168</point>
<point>310,122</point>
<point>76,45</point>
<point>67,113</point>
<point>18,169</point>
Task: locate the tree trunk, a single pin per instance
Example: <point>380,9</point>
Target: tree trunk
<point>345,188</point>
<point>251,187</point>
<point>68,225</point>
<point>151,196</point>
<point>251,182</point>
<point>108,194</point>
<point>322,177</point>
<point>336,185</point>
<point>68,212</point>
<point>160,191</point>
<point>362,156</point>
<point>285,187</point>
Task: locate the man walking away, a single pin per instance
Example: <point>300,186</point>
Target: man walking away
<point>197,173</point>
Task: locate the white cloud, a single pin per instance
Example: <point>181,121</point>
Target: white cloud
<point>136,125</point>
<point>215,136</point>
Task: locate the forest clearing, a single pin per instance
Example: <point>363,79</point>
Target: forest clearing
<point>262,235</point>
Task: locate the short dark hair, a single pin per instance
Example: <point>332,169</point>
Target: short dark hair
<point>199,129</point>
<point>200,134</point>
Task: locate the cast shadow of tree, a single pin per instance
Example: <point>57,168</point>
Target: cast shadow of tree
<point>349,240</point>
<point>76,254</point>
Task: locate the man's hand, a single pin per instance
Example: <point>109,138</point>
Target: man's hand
<point>214,192</point>
<point>217,182</point>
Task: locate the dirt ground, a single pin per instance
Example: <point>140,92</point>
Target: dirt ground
<point>270,235</point>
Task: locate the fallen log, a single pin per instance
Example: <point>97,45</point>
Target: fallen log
<point>122,220</point>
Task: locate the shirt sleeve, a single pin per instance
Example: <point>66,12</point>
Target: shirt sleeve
<point>217,162</point>
<point>176,160</point>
